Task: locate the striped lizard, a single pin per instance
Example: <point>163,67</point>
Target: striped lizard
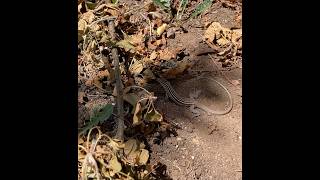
<point>172,94</point>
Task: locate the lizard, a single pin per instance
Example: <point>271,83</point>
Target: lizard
<point>172,94</point>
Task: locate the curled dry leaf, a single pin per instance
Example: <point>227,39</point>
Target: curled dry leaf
<point>114,166</point>
<point>222,35</point>
<point>135,152</point>
<point>153,115</point>
<point>180,68</point>
<point>161,29</point>
<point>115,145</point>
<point>130,146</point>
<point>167,54</point>
<point>137,116</point>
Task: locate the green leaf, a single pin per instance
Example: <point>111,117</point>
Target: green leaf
<point>98,117</point>
<point>91,5</point>
<point>153,115</point>
<point>114,1</point>
<point>201,8</point>
<point>165,4</point>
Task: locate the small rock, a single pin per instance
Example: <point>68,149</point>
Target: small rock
<point>192,157</point>
<point>171,33</point>
<point>179,139</point>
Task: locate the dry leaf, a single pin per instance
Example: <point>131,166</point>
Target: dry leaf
<point>143,157</point>
<point>114,166</point>
<point>223,41</point>
<point>154,116</point>
<point>161,29</point>
<point>116,146</point>
<point>151,45</point>
<point>180,68</point>
<point>167,54</point>
<point>136,68</point>
<point>136,39</point>
<point>126,45</point>
<point>131,98</point>
<point>153,55</point>
<point>82,24</point>
<point>137,116</point>
<point>88,16</point>
<point>215,31</point>
<point>130,146</point>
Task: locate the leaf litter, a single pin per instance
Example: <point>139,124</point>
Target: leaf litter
<point>142,33</point>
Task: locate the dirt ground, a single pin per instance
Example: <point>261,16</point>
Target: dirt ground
<point>206,147</point>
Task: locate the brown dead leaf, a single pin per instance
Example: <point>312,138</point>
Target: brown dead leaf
<point>215,31</point>
<point>223,41</point>
<point>130,146</point>
<point>113,12</point>
<point>167,54</point>
<point>153,55</point>
<point>151,45</point>
<point>88,16</point>
<point>179,69</point>
<point>136,39</point>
